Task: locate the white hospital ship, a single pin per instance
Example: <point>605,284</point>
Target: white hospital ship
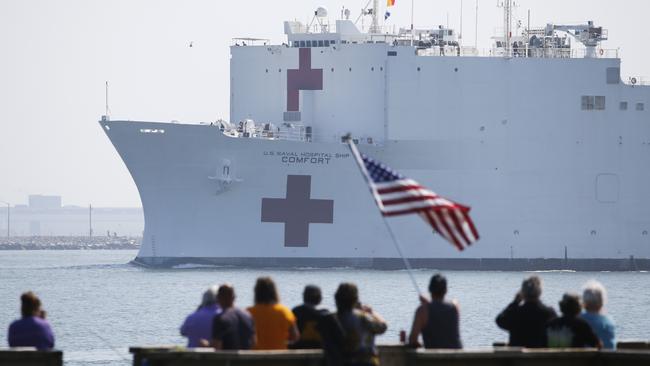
<point>540,135</point>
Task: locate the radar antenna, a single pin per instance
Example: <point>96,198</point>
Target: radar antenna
<point>507,26</point>
<point>375,18</point>
<point>107,113</point>
<point>373,12</point>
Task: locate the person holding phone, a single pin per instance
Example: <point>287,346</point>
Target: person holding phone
<point>32,329</point>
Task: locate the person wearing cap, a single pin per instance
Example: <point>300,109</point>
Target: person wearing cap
<point>526,316</point>
<point>198,325</point>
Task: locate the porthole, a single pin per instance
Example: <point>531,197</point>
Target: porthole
<point>267,71</point>
<point>372,69</point>
<point>419,68</point>
<point>455,69</point>
<point>332,69</point>
<point>279,70</point>
<point>593,232</point>
<point>350,69</point>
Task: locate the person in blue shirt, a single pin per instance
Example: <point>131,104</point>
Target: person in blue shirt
<point>593,298</point>
<point>198,325</point>
<point>32,330</point>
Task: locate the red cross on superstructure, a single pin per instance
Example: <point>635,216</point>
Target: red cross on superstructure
<point>304,78</point>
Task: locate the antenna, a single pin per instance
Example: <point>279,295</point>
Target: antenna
<point>412,29</point>
<point>476,27</point>
<point>108,111</point>
<point>90,220</point>
<point>507,26</point>
<point>460,35</point>
<point>375,18</point>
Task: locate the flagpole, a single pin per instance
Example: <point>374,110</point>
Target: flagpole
<point>364,173</point>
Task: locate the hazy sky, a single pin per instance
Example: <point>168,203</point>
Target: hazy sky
<point>56,55</point>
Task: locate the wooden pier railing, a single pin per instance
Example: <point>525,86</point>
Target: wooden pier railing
<point>396,356</point>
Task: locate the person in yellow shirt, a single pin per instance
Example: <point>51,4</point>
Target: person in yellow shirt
<point>275,324</point>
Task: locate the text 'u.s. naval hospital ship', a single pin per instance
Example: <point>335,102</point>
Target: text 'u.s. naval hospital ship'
<point>540,135</point>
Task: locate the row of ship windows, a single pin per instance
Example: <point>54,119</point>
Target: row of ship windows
<point>597,103</point>
<point>321,43</point>
<point>371,69</point>
<point>349,69</point>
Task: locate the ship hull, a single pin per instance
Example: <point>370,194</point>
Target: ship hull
<point>209,199</point>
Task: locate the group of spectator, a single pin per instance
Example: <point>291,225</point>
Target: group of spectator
<point>348,335</point>
<point>533,324</point>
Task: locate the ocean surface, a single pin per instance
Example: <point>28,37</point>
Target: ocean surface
<point>99,304</point>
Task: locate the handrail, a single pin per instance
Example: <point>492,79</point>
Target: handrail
<point>449,51</point>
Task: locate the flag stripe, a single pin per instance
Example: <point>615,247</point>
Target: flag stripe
<point>459,227</point>
<point>413,193</point>
<point>445,220</point>
<point>398,201</point>
<point>444,230</point>
<point>471,224</point>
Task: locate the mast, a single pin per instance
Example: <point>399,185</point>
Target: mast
<point>90,220</point>
<point>476,27</point>
<point>375,17</point>
<point>412,14</point>
<point>106,95</point>
<point>460,36</point>
<point>507,26</point>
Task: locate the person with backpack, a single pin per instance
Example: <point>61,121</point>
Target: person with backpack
<point>349,334</point>
<point>308,316</point>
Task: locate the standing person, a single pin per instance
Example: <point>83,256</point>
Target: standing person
<point>438,320</point>
<point>308,317</point>
<point>233,328</point>
<point>32,330</point>
<point>359,324</point>
<point>198,325</point>
<point>571,330</point>
<point>275,324</point>
<point>527,321</point>
<point>594,297</point>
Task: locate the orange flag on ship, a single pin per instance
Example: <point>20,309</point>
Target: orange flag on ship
<point>390,2</point>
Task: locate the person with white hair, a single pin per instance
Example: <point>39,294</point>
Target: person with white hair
<point>594,297</point>
<point>198,325</point>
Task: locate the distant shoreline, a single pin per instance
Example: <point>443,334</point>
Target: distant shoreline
<point>70,243</point>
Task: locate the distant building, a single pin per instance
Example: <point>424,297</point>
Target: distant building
<point>45,216</point>
<point>37,201</point>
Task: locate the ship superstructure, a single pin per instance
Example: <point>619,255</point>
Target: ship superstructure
<point>540,135</point>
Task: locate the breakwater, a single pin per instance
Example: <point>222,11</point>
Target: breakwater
<point>69,243</point>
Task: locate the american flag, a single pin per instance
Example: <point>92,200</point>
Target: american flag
<point>398,195</point>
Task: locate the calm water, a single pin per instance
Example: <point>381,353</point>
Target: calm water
<point>99,305</point>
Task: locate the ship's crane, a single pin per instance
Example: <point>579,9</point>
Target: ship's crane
<point>587,34</point>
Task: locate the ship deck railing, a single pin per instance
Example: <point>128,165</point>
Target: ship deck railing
<point>298,136</point>
<point>553,53</point>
